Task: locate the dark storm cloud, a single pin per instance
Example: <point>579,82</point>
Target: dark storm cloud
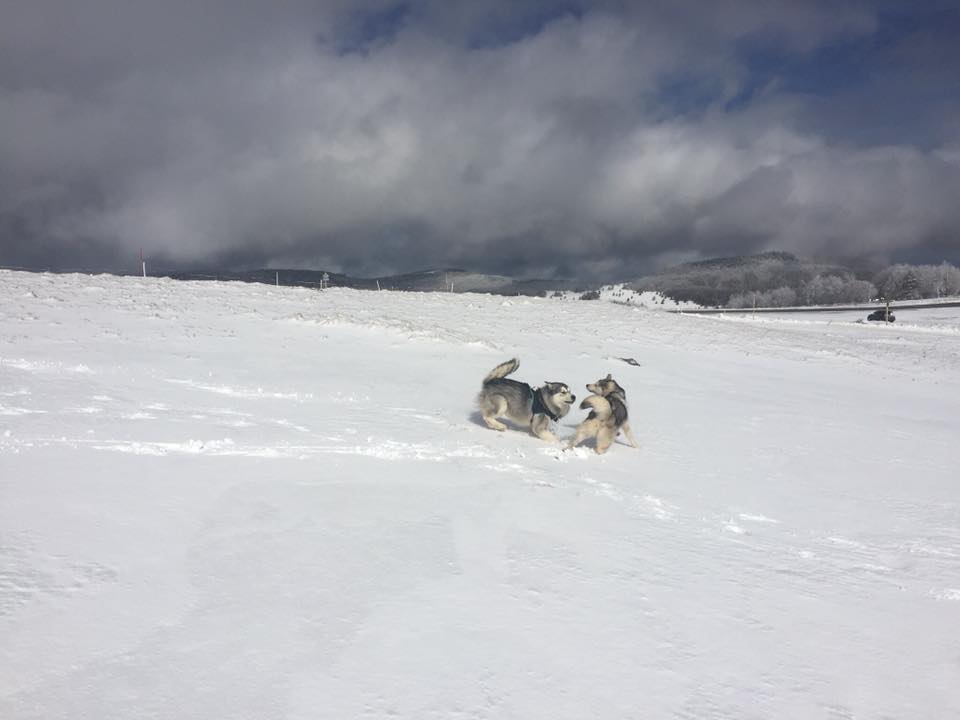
<point>518,137</point>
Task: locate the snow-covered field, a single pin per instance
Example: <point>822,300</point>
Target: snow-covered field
<point>908,319</point>
<point>221,500</point>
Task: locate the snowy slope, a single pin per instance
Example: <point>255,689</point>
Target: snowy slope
<point>620,293</point>
<point>221,500</point>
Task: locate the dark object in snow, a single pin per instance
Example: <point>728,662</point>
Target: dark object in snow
<point>630,361</point>
<point>881,315</point>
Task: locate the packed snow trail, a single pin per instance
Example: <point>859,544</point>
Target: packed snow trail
<point>241,501</point>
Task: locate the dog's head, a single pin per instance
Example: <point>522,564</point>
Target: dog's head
<point>606,386</point>
<point>557,394</point>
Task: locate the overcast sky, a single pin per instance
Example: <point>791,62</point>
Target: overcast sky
<point>590,139</point>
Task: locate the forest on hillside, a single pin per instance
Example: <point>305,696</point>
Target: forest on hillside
<point>779,279</point>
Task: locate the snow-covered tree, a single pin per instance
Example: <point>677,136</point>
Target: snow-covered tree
<point>859,291</point>
<point>908,288</point>
<point>927,281</point>
<point>949,279</point>
<point>782,297</point>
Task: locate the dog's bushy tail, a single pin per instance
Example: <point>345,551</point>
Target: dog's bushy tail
<point>502,370</point>
<point>598,404</point>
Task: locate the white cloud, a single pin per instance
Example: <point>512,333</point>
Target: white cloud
<point>248,139</point>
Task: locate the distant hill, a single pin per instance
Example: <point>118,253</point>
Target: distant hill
<point>770,279</point>
<point>714,282</point>
<point>434,280</point>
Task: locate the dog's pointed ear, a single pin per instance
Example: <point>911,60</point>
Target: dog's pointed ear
<point>609,376</point>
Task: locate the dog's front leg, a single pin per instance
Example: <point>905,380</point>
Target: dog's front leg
<point>546,435</point>
<point>582,434</point>
<point>605,439</point>
<point>540,427</point>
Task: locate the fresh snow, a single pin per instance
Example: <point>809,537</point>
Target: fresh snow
<point>228,500</point>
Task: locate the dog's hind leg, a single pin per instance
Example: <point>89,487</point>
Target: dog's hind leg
<point>491,410</point>
<point>629,435</point>
<point>494,424</point>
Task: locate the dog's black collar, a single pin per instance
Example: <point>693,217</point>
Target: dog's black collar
<point>539,407</point>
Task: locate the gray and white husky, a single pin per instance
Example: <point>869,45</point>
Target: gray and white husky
<point>525,405</point>
<point>608,415</point>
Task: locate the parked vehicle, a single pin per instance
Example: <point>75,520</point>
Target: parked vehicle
<point>881,315</point>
